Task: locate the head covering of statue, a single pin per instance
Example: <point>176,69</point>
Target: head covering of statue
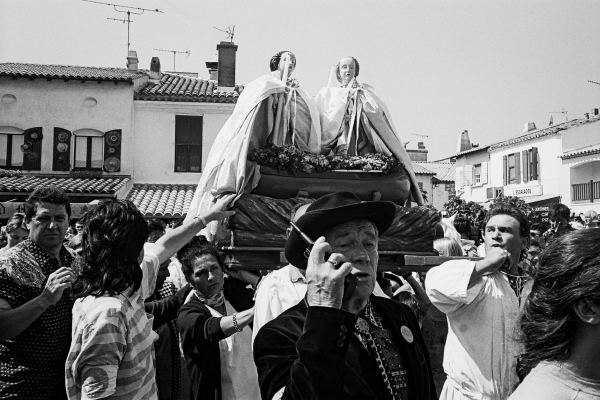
<point>276,60</point>
<point>344,62</point>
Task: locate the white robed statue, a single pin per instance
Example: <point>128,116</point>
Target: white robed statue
<point>355,121</point>
<point>272,109</point>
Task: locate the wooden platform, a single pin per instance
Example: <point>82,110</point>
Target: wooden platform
<point>265,258</point>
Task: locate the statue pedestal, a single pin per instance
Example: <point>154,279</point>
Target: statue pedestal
<point>394,187</point>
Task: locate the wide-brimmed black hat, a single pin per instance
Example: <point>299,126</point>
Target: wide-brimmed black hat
<point>330,211</point>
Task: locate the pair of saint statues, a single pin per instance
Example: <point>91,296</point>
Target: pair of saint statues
<point>346,117</point>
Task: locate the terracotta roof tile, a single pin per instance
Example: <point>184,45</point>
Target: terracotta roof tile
<point>68,72</point>
<point>28,183</point>
<point>162,200</point>
<point>584,151</point>
<point>173,87</point>
<point>443,171</point>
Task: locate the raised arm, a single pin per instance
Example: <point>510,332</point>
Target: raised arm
<point>168,245</point>
<point>13,321</point>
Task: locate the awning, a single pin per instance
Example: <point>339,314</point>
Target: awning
<point>542,199</point>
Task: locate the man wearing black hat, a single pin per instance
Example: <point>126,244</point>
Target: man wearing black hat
<point>335,344</point>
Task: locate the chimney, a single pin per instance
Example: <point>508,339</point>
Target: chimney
<point>595,112</point>
<point>421,146</point>
<point>132,60</point>
<point>529,126</point>
<point>464,143</point>
<point>226,75</point>
<point>155,70</point>
<point>213,67</point>
<point>587,115</point>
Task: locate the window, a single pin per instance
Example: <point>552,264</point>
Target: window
<point>512,168</point>
<point>531,164</point>
<point>11,155</point>
<point>188,143</point>
<point>476,174</point>
<point>420,184</point>
<point>88,152</point>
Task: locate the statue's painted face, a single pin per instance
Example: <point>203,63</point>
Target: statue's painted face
<point>347,70</point>
<point>292,63</point>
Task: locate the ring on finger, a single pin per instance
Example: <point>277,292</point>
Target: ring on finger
<point>333,262</point>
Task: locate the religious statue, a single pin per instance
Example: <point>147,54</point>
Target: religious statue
<point>272,109</point>
<point>355,121</point>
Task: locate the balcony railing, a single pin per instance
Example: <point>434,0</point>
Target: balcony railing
<point>586,191</point>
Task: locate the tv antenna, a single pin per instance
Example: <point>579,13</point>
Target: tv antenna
<point>175,52</point>
<point>563,112</point>
<point>129,11</point>
<point>422,136</point>
<point>595,83</point>
<point>229,32</point>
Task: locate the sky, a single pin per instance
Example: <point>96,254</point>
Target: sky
<point>442,67</point>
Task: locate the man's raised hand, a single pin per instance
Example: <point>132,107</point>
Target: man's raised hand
<point>325,277</point>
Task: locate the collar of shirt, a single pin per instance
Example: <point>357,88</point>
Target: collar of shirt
<point>295,275</point>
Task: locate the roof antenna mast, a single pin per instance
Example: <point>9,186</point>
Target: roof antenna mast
<point>128,10</point>
<point>230,32</point>
<point>175,52</point>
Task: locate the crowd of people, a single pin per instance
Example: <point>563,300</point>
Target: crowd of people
<point>102,317</point>
<point>122,307</point>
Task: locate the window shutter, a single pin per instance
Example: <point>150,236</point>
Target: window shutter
<point>504,170</point>
<point>112,150</point>
<point>32,159</point>
<point>61,150</point>
<point>535,165</point>
<point>517,167</point>
<point>484,172</point>
<point>525,166</point>
<point>458,177</point>
<point>468,175</point>
<point>490,193</point>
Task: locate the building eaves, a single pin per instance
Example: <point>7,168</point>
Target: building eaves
<point>179,88</point>
<point>472,150</point>
<point>71,185</point>
<point>68,72</point>
<point>584,151</point>
<point>551,130</point>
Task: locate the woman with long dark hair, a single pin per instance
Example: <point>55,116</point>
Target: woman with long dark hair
<point>111,351</point>
<point>560,322</point>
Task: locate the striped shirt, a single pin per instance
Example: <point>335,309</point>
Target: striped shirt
<point>112,352</point>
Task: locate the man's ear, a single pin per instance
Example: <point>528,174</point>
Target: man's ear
<point>588,312</point>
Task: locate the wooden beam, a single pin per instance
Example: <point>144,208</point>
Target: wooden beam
<point>267,258</point>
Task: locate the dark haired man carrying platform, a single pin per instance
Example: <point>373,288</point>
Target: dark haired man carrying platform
<point>480,299</point>
<point>331,346</point>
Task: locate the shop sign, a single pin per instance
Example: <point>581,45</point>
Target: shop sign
<point>524,191</point>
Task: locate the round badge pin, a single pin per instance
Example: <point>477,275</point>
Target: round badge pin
<point>406,334</point>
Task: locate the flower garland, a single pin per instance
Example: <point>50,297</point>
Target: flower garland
<point>291,158</point>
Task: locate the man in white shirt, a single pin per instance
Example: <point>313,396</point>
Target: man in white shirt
<point>281,289</point>
<point>480,354</point>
